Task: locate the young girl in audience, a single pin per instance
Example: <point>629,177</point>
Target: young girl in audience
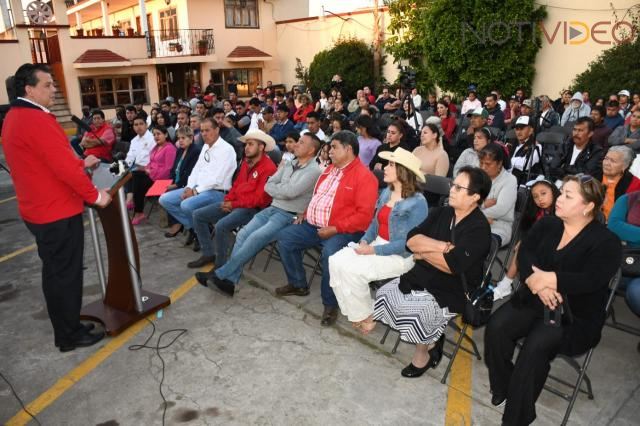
<point>323,156</point>
<point>289,144</point>
<point>541,203</point>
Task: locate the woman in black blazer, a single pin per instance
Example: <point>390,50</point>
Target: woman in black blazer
<point>565,264</point>
<point>186,158</point>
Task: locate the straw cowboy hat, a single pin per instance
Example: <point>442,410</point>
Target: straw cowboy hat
<point>261,136</point>
<point>405,158</point>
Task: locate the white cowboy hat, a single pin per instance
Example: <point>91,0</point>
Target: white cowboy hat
<point>406,159</point>
<point>261,136</point>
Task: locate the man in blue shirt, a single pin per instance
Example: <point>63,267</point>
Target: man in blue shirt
<point>283,125</point>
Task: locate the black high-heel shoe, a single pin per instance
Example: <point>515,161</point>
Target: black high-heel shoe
<point>435,353</point>
<point>174,234</point>
<point>412,371</point>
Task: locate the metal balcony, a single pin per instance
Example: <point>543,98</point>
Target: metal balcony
<point>170,43</point>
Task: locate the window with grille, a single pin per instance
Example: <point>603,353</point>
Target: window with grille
<point>109,91</point>
<point>168,24</point>
<point>241,14</point>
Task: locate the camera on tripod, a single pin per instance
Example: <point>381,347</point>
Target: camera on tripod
<point>407,77</point>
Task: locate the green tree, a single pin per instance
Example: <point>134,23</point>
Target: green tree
<point>351,58</point>
<point>616,68</point>
<point>490,43</point>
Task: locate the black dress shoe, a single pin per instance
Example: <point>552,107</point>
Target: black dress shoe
<point>84,340</point>
<point>203,278</point>
<point>412,371</point>
<point>174,234</point>
<point>202,261</point>
<point>435,353</point>
<point>329,316</point>
<point>224,286</point>
<point>190,238</point>
<point>498,400</point>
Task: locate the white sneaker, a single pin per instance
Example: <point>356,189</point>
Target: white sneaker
<point>501,291</point>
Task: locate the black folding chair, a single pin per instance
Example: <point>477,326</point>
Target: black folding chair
<point>613,322</point>
<point>581,368</point>
<point>436,188</point>
<point>521,201</point>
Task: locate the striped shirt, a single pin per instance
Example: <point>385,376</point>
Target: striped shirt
<point>319,210</point>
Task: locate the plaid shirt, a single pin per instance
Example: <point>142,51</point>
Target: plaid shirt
<point>319,210</point>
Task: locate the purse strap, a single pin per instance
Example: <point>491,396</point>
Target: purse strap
<point>463,278</point>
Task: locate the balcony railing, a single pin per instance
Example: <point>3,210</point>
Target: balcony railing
<point>169,43</point>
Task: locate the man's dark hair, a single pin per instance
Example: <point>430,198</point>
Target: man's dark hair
<point>587,120</point>
<point>493,96</point>
<point>267,110</point>
<point>601,110</point>
<point>479,182</point>
<point>167,103</point>
<point>130,108</point>
<point>614,104</point>
<point>255,102</point>
<point>26,76</point>
<point>314,114</point>
<point>213,122</point>
<point>347,138</point>
<point>201,103</point>
<point>293,135</point>
<point>97,111</point>
<point>317,143</point>
<point>283,107</point>
<point>139,117</point>
<point>215,111</point>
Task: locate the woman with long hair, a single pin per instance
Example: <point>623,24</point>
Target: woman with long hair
<point>447,119</point>
<point>369,138</point>
<point>431,153</point>
<point>469,157</point>
<point>393,141</point>
<point>381,253</point>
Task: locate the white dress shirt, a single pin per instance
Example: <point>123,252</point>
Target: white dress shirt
<point>140,149</point>
<point>214,168</point>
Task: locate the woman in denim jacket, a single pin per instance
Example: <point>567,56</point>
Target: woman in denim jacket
<point>381,253</point>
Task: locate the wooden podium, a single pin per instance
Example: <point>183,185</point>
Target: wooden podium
<point>123,300</point>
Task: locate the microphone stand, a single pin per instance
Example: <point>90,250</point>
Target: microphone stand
<point>3,167</point>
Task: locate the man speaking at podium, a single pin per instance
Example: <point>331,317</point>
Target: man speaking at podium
<point>51,188</point>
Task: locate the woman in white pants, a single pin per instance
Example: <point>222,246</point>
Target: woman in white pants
<point>381,253</point>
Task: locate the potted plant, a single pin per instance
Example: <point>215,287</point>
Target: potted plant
<point>130,32</point>
<point>172,47</point>
<point>115,30</point>
<point>98,32</point>
<point>202,46</point>
<point>80,32</point>
<point>178,47</point>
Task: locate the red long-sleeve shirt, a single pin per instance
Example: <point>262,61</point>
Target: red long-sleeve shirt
<point>50,181</point>
<point>247,190</point>
<point>300,116</point>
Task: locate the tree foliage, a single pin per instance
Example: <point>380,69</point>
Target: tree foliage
<point>351,58</point>
<point>489,43</point>
<point>616,68</point>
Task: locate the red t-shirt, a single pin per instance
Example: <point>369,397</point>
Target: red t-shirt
<point>383,222</point>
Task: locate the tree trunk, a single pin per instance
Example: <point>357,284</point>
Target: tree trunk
<point>376,45</point>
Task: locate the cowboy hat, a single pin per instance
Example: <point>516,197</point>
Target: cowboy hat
<point>405,158</point>
<point>261,136</point>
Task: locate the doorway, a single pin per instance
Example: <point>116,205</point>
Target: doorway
<point>177,80</point>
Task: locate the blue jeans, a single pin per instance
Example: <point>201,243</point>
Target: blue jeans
<point>632,293</point>
<point>262,229</point>
<point>182,210</point>
<point>223,223</point>
<point>294,239</point>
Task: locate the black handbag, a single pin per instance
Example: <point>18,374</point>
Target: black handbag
<point>478,303</point>
<point>631,261</point>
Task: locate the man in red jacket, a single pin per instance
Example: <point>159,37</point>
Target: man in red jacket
<point>340,211</point>
<point>245,198</point>
<point>52,188</point>
<point>101,139</point>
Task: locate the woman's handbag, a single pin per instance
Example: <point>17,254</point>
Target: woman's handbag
<point>630,262</point>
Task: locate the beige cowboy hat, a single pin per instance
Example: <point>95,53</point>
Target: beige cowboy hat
<point>261,136</point>
<point>405,158</point>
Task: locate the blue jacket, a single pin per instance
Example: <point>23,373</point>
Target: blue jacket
<point>405,215</point>
<point>279,131</point>
<point>618,223</point>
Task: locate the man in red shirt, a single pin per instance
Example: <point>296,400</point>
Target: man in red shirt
<point>52,188</point>
<point>340,211</point>
<point>101,139</point>
<point>245,198</point>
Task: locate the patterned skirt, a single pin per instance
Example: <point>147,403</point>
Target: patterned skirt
<point>416,316</point>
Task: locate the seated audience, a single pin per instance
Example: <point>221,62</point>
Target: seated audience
<point>291,188</point>
<point>161,159</point>
<point>324,159</point>
<point>613,118</point>
<point>471,102</point>
<point>393,141</point>
<point>245,198</point>
<point>313,125</point>
<point>411,116</point>
<point>207,183</point>
<point>628,135</point>
<point>434,159</point>
<point>186,158</point>
<point>368,138</point>
<point>526,155</point>
<point>422,301</point>
<point>576,109</point>
<point>616,177</point>
<point>447,120</point>
<point>541,203</point>
<point>624,221</point>
<point>339,212</point>
<point>469,157</point>
<point>101,140</point>
<point>548,117</point>
<point>499,206</point>
<point>580,154</point>
<point>139,151</point>
<point>565,264</point>
<point>290,145</point>
<point>283,125</point>
<point>381,253</point>
<point>300,115</point>
<point>496,116</point>
<point>601,131</point>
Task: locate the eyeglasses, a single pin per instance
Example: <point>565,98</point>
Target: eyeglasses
<point>457,187</point>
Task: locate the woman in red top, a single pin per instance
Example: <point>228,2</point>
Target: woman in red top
<point>447,120</point>
<point>381,253</point>
<point>300,116</point>
<point>161,160</point>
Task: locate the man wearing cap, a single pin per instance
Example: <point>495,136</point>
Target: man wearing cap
<point>283,125</point>
<point>526,155</point>
<point>291,188</point>
<point>580,154</point>
<point>496,116</point>
<point>526,108</point>
<point>625,105</point>
<point>472,102</point>
<point>268,121</point>
<point>339,212</point>
<point>246,197</point>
